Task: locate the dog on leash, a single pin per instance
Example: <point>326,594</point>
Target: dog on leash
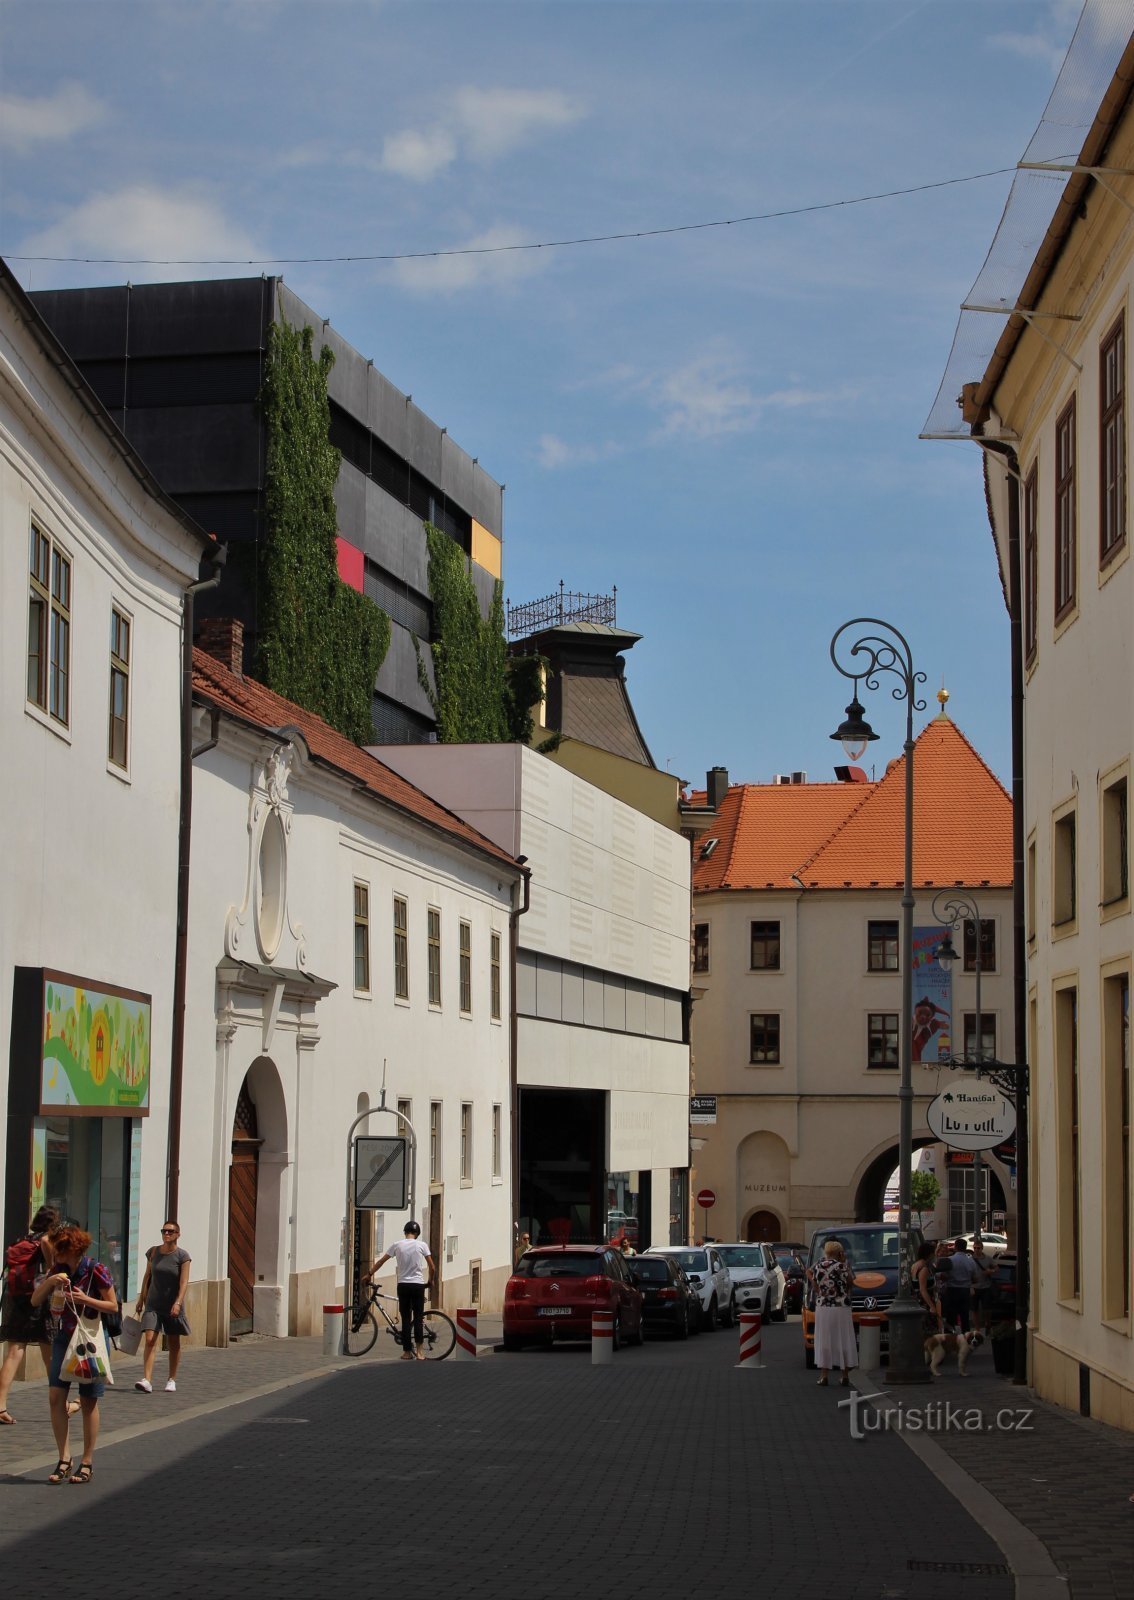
<point>961,1345</point>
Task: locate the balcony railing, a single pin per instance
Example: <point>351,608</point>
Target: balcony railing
<point>555,609</point>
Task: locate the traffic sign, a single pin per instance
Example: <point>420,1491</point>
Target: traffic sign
<point>706,1199</point>
<point>380,1169</point>
<point>971,1115</point>
<point>703,1108</point>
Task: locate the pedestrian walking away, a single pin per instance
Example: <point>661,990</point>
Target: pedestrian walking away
<point>21,1323</point>
<point>957,1294</point>
<point>80,1284</point>
<point>413,1262</point>
<point>161,1304</point>
<point>832,1279</point>
<point>983,1263</point>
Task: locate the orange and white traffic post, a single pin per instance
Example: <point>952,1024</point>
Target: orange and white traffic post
<point>466,1336</point>
<point>751,1345</point>
<point>602,1338</point>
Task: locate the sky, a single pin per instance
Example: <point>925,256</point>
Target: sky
<point>721,422</point>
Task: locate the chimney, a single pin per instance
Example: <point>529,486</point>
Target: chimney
<point>716,785</point>
<point>223,639</point>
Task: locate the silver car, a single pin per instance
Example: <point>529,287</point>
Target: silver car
<point>709,1277</point>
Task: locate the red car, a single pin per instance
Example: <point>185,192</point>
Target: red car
<point>555,1288</point>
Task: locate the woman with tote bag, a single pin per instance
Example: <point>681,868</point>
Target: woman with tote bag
<point>78,1284</point>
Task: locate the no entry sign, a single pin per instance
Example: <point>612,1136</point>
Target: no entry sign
<point>706,1199</point>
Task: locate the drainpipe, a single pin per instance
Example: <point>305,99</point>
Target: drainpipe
<point>513,1046</point>
<point>217,559</point>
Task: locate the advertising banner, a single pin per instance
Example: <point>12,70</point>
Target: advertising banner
<point>95,1049</point>
<point>932,999</point>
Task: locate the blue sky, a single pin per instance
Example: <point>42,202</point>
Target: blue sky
<point>722,422</point>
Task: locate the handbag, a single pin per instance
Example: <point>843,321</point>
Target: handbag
<point>131,1336</point>
<point>87,1356</point>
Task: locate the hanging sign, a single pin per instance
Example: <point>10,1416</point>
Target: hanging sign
<point>971,1115</point>
<point>933,991</point>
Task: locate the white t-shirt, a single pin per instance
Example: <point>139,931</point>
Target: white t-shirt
<point>410,1256</point>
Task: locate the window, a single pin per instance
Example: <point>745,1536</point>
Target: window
<point>466,1142</point>
<point>405,1109</point>
<point>1112,442</point>
<point>1115,857</point>
<point>118,742</point>
<point>434,953</point>
<point>1068,1176</point>
<point>494,975</point>
<point>435,1141</point>
<point>401,949</point>
<point>882,1030</point>
<point>765,1038</point>
<point>987,1051</point>
<point>497,1162</point>
<point>700,947</point>
<point>987,944</point>
<point>49,628</point>
<point>1065,901</point>
<point>361,938</point>
<point>466,968</point>
<point>883,946</point>
<point>1030,897</point>
<point>1116,1175</point>
<point>765,946</point>
<point>1031,563</point>
<point>1065,552</point>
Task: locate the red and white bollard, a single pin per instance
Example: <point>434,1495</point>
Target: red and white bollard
<point>751,1350</point>
<point>466,1336</point>
<point>602,1338</point>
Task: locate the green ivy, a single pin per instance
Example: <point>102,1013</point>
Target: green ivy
<point>479,694</point>
<point>320,641</point>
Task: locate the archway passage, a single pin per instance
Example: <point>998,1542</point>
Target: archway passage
<point>763,1227</point>
<point>243,1181</point>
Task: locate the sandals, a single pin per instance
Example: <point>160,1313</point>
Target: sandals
<point>74,1406</point>
<point>62,1470</point>
<point>85,1473</point>
<point>7,1420</point>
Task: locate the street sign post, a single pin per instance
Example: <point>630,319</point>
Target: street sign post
<point>706,1199</point>
<point>971,1114</point>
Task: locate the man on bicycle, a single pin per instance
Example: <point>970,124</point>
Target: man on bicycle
<point>413,1261</point>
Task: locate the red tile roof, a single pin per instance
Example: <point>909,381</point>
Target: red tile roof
<point>249,702</point>
<point>852,835</point>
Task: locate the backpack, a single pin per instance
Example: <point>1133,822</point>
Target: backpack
<point>21,1260</point>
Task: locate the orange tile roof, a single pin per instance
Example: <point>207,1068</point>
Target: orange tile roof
<point>852,836</point>
<point>250,702</point>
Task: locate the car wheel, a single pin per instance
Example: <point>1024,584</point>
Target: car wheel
<point>693,1323</point>
<point>710,1322</point>
<point>640,1336</point>
<point>781,1314</point>
<point>681,1331</point>
<point>512,1341</point>
<point>729,1318</point>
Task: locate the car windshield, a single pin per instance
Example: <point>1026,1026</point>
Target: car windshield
<point>534,1265</point>
<point>655,1271</point>
<point>741,1255</point>
<point>691,1260</point>
<point>865,1247</point>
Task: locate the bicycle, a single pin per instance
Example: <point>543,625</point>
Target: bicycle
<point>360,1327</point>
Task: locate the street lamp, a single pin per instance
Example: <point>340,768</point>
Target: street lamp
<point>951,908</point>
<point>872,655</point>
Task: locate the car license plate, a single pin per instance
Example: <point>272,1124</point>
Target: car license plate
<point>554,1311</point>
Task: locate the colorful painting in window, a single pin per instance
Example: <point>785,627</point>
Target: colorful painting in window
<point>96,1048</point>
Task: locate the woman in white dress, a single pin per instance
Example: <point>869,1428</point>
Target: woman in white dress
<point>835,1346</point>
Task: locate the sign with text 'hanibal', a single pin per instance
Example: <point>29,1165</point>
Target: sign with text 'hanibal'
<point>971,1115</point>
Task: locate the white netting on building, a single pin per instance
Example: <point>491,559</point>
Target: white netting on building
<point>1104,30</point>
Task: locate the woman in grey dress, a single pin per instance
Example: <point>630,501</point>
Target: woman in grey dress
<point>161,1302</point>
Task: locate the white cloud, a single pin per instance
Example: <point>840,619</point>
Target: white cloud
<point>1048,39</point>
<point>27,120</point>
<point>481,124</point>
<point>552,452</point>
<point>448,274</point>
<point>145,223</point>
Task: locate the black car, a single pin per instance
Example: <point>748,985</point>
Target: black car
<point>669,1300</point>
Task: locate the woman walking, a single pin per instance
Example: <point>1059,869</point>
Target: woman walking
<point>22,1323</point>
<point>84,1285</point>
<point>161,1301</point>
<point>832,1278</point>
<point>925,1287</point>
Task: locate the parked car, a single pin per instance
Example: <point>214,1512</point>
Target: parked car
<point>757,1278</point>
<point>709,1277</point>
<point>621,1225</point>
<point>1000,1296</point>
<point>872,1251</point>
<point>994,1243</point>
<point>554,1289</point>
<point>669,1300</point>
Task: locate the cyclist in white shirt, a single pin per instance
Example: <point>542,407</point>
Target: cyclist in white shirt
<point>413,1262</point>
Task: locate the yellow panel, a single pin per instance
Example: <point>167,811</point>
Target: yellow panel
<point>486,551</point>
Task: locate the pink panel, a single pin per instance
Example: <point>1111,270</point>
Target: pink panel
<point>351,564</point>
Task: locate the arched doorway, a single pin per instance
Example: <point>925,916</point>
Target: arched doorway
<point>243,1186</point>
<point>763,1227</point>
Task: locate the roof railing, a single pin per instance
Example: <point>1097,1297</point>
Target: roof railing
<point>555,609</point>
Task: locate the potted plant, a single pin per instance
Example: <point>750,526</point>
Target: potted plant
<point>1003,1337</point>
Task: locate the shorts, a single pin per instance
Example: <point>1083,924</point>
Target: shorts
<point>55,1380</point>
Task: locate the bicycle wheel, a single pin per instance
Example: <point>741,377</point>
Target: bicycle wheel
<point>440,1335</point>
<point>361,1329</point>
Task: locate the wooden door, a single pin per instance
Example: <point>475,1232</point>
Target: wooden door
<point>763,1227</point>
<point>242,1184</point>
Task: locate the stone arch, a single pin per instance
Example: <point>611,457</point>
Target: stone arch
<point>763,1182</point>
<point>869,1181</point>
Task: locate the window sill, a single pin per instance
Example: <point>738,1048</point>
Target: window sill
<point>1071,1304</point>
<point>1120,1325</point>
<point>1066,618</point>
<point>1110,909</point>
<point>121,773</point>
<point>402,1000</point>
<point>1065,930</point>
<point>37,714</point>
<point>1116,556</point>
<point>497,1180</point>
<point>466,1183</point>
<point>883,1066</point>
<point>364,994</point>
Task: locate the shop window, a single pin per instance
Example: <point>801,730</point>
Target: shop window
<point>119,736</point>
<point>765,946</point>
<point>624,1208</point>
<point>1112,442</point>
<point>49,628</point>
<point>401,949</point>
<point>1066,555</point>
<point>882,1039</point>
<point>434,955</point>
<point>86,1177</point>
<point>361,938</point>
<point>882,939</point>
<point>764,1038</point>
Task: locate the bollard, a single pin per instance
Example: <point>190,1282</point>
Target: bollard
<point>602,1338</point>
<point>466,1336</point>
<point>333,1330</point>
<point>751,1347</point>
<point>870,1343</point>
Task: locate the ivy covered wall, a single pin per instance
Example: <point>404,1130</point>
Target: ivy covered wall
<point>320,641</point>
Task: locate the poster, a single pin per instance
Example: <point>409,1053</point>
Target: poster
<point>932,999</point>
<point>95,1048</point>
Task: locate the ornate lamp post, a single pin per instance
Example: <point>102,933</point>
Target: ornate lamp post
<point>872,655</point>
<point>951,908</point>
